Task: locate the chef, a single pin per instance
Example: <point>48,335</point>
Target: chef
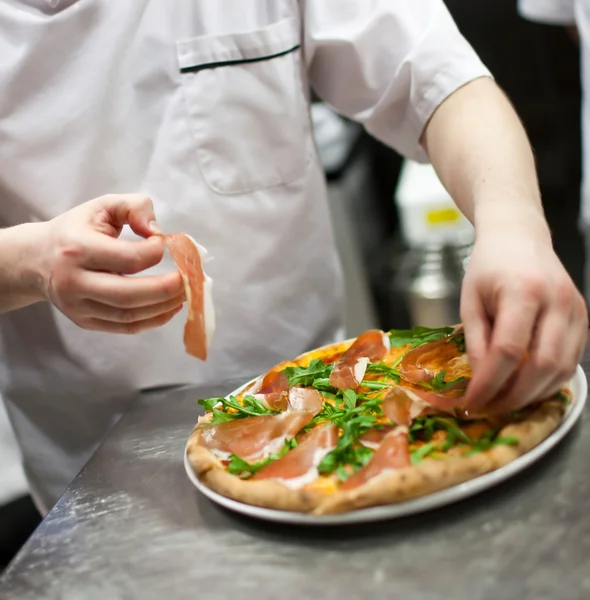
<point>194,116</point>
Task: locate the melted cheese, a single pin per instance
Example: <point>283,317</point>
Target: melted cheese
<point>324,485</point>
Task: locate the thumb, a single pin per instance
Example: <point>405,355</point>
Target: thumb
<point>135,210</point>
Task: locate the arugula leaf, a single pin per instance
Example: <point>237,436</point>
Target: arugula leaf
<point>516,414</point>
<point>342,473</point>
<point>451,426</point>
<point>439,384</point>
<point>362,456</point>
<point>459,339</point>
<point>209,403</point>
<point>347,451</point>
<point>399,359</point>
<point>426,426</point>
<point>429,428</point>
<point>305,376</point>
<point>421,453</point>
<point>563,398</point>
<point>488,441</point>
<point>323,386</point>
<point>254,404</point>
<point>386,370</point>
<point>250,408</point>
<point>221,417</point>
<point>350,398</point>
<point>375,385</point>
<point>238,466</point>
<point>422,426</point>
<point>506,441</point>
<point>417,336</point>
<point>450,441</point>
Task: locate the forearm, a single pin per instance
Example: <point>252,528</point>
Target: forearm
<point>19,284</point>
<point>481,153</point>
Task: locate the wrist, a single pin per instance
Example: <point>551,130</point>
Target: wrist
<point>496,217</point>
<point>20,261</point>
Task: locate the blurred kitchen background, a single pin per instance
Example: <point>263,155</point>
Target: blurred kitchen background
<point>403,244</point>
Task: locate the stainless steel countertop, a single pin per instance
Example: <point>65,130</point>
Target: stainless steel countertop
<point>132,526</point>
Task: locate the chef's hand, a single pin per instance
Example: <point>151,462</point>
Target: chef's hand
<point>83,266</point>
<point>520,310</point>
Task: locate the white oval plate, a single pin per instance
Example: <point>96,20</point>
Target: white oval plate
<point>579,388</point>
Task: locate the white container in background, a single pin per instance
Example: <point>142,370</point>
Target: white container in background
<point>428,215</point>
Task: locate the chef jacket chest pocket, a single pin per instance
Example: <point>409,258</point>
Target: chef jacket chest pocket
<point>247,108</point>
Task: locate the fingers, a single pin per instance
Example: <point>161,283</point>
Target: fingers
<point>104,312</point>
<point>130,328</point>
<point>580,319</point>
<point>545,369</point>
<point>134,210</point>
<point>104,253</point>
<point>476,326</point>
<point>130,292</point>
<point>555,350</point>
<point>511,338</point>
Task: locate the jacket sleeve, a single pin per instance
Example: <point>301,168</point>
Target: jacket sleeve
<point>387,64</point>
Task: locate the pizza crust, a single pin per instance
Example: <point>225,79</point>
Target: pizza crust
<point>434,475</point>
<point>264,493</point>
<point>412,482</point>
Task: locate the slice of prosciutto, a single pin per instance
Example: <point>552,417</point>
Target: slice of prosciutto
<point>411,365</point>
<point>272,390</point>
<point>349,370</point>
<point>188,256</point>
<point>300,465</point>
<point>253,438</point>
<point>403,405</point>
<point>372,438</point>
<point>305,400</point>
<point>392,454</point>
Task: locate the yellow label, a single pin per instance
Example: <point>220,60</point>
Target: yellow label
<point>443,215</point>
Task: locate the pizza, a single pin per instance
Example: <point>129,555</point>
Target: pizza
<point>371,421</point>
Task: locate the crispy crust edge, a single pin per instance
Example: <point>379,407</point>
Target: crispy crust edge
<point>265,493</point>
<point>435,475</point>
<point>418,480</point>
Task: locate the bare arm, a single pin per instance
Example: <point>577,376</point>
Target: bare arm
<point>482,155</point>
<point>19,285</point>
<point>517,301</point>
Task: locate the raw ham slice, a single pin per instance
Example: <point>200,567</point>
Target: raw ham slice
<point>411,365</point>
<point>272,390</point>
<point>403,405</point>
<point>348,372</point>
<point>300,465</point>
<point>443,402</point>
<point>305,400</point>
<point>253,438</point>
<point>373,437</point>
<point>392,454</point>
<point>200,324</point>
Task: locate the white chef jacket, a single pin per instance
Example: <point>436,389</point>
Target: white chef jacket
<point>571,12</point>
<point>204,106</point>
